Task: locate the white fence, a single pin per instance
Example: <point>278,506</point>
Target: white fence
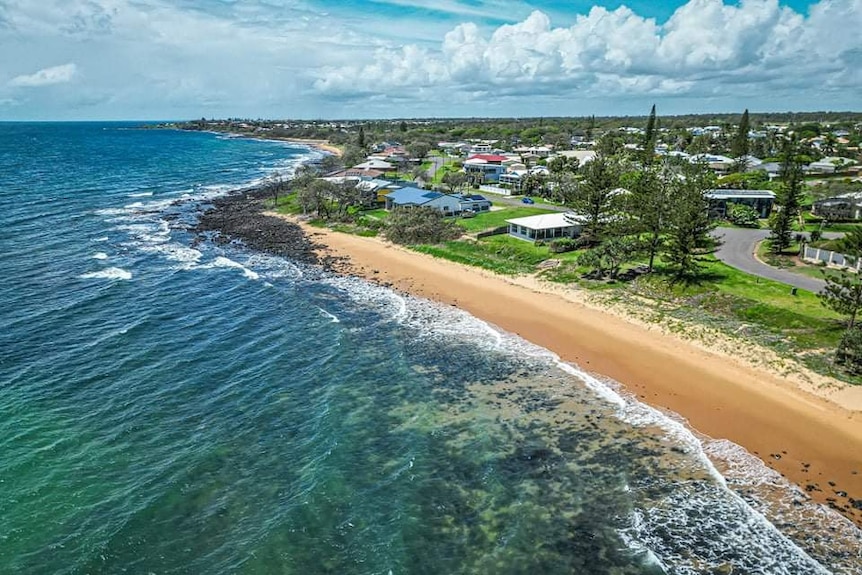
<point>495,190</point>
<point>831,258</point>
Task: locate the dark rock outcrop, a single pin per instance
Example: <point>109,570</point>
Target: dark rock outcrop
<point>241,217</point>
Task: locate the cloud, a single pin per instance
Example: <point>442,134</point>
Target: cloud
<point>46,77</point>
<point>706,48</point>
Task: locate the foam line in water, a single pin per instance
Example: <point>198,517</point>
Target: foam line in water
<point>108,274</point>
<point>332,317</point>
<point>100,256</point>
<point>745,522</point>
<point>223,262</point>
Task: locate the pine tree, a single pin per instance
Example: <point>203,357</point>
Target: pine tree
<point>789,198</point>
<point>843,295</point>
<point>360,138</point>
<point>688,224</point>
<point>595,200</point>
<point>591,126</point>
<point>739,147</point>
<point>649,138</point>
<point>649,206</point>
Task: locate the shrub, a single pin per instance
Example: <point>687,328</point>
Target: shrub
<point>562,245</point>
<point>815,235</point>
<point>412,226</point>
<point>849,352</point>
<point>743,215</point>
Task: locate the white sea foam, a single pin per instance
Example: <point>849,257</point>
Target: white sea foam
<point>100,256</point>
<point>333,318</point>
<point>108,274</point>
<point>174,252</point>
<point>223,262</point>
<point>713,515</point>
<point>140,195</point>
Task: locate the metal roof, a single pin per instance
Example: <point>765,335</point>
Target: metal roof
<point>542,221</point>
<point>740,194</point>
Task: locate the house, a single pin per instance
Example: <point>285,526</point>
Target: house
<point>538,151</point>
<point>719,164</point>
<point>515,174</point>
<point>414,197</point>
<point>543,227</point>
<point>583,156</point>
<point>375,165</point>
<point>361,173</point>
<point>720,200</point>
<point>846,207</point>
<point>830,165</point>
<point>373,192</point>
<point>486,167</point>
<point>473,202</point>
<point>772,169</point>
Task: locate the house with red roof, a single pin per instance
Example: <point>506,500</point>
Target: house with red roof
<point>485,167</point>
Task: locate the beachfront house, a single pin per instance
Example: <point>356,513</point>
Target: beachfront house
<point>378,165</point>
<point>720,201</point>
<point>473,203</point>
<point>543,227</point>
<point>414,197</point>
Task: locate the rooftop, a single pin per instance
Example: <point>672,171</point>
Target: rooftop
<point>751,194</point>
<point>542,221</point>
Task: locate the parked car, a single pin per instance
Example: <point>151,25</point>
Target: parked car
<point>528,200</point>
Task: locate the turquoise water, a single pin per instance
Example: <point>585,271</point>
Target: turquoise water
<point>168,405</point>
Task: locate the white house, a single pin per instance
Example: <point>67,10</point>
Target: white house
<point>375,165</point>
<point>830,165</point>
<point>543,227</point>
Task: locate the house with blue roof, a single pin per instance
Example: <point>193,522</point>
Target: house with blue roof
<point>414,197</point>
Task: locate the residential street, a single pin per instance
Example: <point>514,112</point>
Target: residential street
<point>738,251</point>
<point>436,163</point>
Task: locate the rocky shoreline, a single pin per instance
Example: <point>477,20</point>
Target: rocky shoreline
<point>240,217</point>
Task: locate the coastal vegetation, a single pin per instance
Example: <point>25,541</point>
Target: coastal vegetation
<point>646,227</point>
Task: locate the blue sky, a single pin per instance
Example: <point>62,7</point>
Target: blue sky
<point>177,59</point>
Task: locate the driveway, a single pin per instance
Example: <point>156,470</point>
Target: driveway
<point>738,251</point>
<point>436,163</point>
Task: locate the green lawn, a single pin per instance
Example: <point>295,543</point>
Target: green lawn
<point>502,254</point>
<point>497,218</point>
<point>447,167</point>
<point>800,320</point>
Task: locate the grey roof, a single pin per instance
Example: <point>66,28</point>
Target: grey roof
<point>414,196</point>
<point>740,194</point>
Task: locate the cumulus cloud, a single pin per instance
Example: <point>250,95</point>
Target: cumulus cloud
<point>45,77</point>
<point>705,48</point>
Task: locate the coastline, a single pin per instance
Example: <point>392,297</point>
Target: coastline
<point>322,145</point>
<point>794,422</point>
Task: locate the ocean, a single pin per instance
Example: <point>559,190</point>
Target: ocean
<point>173,405</point>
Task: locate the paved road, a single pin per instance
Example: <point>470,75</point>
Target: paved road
<point>436,163</point>
<point>738,251</point>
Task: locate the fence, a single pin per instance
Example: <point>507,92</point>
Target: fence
<point>495,190</point>
<point>831,258</point>
<point>493,232</point>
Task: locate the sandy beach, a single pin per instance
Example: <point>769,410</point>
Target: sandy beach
<point>806,427</point>
<point>322,145</point>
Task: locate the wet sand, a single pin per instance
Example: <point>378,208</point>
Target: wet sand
<point>810,432</point>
